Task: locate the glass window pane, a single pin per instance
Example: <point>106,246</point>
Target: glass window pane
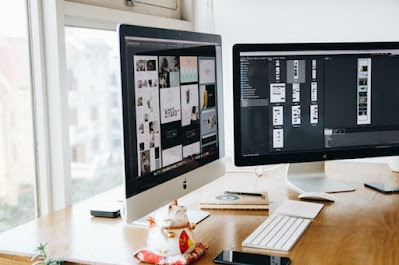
<point>17,162</point>
<point>94,93</point>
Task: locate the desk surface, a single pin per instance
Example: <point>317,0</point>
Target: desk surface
<point>361,227</point>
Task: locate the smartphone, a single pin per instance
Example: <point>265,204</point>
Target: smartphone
<point>242,258</point>
<point>382,187</point>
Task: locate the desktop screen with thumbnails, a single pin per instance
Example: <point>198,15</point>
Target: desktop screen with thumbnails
<point>172,127</point>
<point>323,100</point>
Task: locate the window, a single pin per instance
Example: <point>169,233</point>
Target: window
<point>115,102</point>
<point>71,80</point>
<point>116,124</point>
<point>73,117</point>
<point>117,143</point>
<point>17,161</point>
<point>78,153</point>
<point>93,61</point>
<point>94,113</point>
<point>114,80</point>
<point>95,144</point>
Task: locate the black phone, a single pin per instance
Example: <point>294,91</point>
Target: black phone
<point>242,258</point>
<point>382,187</point>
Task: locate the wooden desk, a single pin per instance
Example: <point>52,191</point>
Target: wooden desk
<point>361,227</point>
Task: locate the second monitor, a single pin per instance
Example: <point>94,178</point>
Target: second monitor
<point>315,102</point>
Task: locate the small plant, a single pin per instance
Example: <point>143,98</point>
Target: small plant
<point>40,257</point>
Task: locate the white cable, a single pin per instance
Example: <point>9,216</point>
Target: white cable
<point>258,170</point>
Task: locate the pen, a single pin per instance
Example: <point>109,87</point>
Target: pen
<point>244,193</point>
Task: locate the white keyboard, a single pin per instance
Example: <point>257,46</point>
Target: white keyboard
<point>278,232</point>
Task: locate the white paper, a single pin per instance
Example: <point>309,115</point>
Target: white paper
<point>313,69</point>
<point>296,92</point>
<point>278,115</point>
<point>328,131</point>
<point>189,104</point>
<point>313,64</point>
<point>208,121</point>
<point>170,104</point>
<point>191,149</point>
<point>277,73</point>
<point>188,69</point>
<point>314,114</point>
<point>278,138</point>
<point>207,71</point>
<point>296,115</point>
<point>277,93</point>
<point>171,155</point>
<point>314,91</point>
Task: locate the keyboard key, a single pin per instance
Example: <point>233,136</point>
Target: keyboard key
<point>274,231</point>
<point>294,238</point>
<point>288,234</point>
<point>260,229</point>
<point>280,233</point>
<point>267,230</point>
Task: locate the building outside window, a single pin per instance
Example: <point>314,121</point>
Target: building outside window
<point>93,62</point>
<point>17,161</point>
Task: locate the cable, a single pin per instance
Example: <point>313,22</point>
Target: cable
<point>257,170</point>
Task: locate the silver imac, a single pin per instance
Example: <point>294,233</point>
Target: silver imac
<point>172,115</point>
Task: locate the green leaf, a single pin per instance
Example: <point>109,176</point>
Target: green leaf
<point>42,246</point>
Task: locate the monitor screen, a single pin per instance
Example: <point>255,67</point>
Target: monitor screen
<point>170,110</point>
<point>315,102</point>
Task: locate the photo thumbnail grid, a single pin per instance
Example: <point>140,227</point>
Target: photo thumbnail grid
<point>176,114</point>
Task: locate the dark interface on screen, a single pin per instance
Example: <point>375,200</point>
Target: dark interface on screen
<point>170,109</point>
<point>318,101</point>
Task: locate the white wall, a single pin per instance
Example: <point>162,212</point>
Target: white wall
<point>276,21</point>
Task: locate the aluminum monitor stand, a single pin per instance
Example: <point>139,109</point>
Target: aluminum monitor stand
<point>310,176</point>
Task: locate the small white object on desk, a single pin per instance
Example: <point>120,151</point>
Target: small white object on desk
<point>300,209</point>
<point>317,196</point>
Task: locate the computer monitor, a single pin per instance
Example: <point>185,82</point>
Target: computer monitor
<point>172,114</point>
<point>315,102</point>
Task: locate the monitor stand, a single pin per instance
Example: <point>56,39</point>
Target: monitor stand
<point>311,176</point>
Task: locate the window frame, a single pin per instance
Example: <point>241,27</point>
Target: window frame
<point>95,17</point>
<point>47,21</point>
<point>30,23</point>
